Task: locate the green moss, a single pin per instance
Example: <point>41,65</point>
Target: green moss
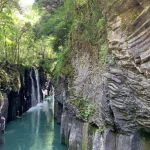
<point>145,137</point>
<point>4,76</point>
<point>91,132</point>
<point>93,23</point>
<point>64,140</point>
<point>74,148</point>
<point>101,24</point>
<point>63,66</point>
<point>71,91</point>
<point>1,97</point>
<point>112,60</point>
<point>85,109</point>
<point>85,136</point>
<point>10,76</point>
<point>101,130</point>
<point>103,53</point>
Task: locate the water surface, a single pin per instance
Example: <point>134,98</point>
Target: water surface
<point>36,130</point>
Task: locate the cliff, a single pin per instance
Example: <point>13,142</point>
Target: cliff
<point>105,104</point>
<point>20,90</point>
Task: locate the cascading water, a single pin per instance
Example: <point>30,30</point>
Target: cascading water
<point>33,94</point>
<point>38,86</point>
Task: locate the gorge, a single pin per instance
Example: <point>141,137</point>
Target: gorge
<point>96,55</point>
<point>104,105</point>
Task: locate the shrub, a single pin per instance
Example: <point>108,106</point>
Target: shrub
<point>85,109</point>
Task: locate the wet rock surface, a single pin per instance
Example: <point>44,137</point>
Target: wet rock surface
<point>20,101</point>
<point>15,103</point>
<point>4,112</point>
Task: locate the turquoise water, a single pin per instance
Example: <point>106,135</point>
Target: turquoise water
<point>35,130</point>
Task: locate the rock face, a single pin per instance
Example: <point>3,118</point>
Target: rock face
<point>4,112</point>
<point>60,95</point>
<point>20,101</point>
<point>118,91</point>
<point>15,103</point>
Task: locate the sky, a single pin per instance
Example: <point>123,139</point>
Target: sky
<point>27,14</point>
<point>25,3</point>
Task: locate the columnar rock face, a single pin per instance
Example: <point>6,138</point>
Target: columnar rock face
<point>4,112</point>
<point>60,97</point>
<point>20,101</point>
<point>15,103</point>
<point>27,96</point>
<point>118,91</point>
<point>128,80</point>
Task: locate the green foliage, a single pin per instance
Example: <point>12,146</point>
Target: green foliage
<point>103,53</point>
<point>57,25</point>
<point>85,109</point>
<point>9,76</point>
<point>63,65</point>
<point>47,65</point>
<point>3,76</point>
<point>134,15</point>
<point>112,60</point>
<point>90,22</point>
<point>101,130</point>
<point>101,24</point>
<point>80,2</point>
<point>40,36</point>
<point>18,40</point>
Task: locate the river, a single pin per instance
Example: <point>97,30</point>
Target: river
<point>35,130</point>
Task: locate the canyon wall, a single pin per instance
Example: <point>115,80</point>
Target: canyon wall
<point>105,105</point>
<point>15,102</point>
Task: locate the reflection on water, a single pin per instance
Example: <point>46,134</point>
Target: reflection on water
<point>36,130</point>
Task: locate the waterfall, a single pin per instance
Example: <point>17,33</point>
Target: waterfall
<point>38,86</point>
<point>35,87</point>
<point>33,94</point>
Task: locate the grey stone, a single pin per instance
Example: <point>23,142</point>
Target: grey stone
<point>119,93</point>
<point>109,140</point>
<point>127,142</point>
<point>98,142</point>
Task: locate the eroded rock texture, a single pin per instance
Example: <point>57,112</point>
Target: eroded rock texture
<point>118,91</point>
<point>128,83</point>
